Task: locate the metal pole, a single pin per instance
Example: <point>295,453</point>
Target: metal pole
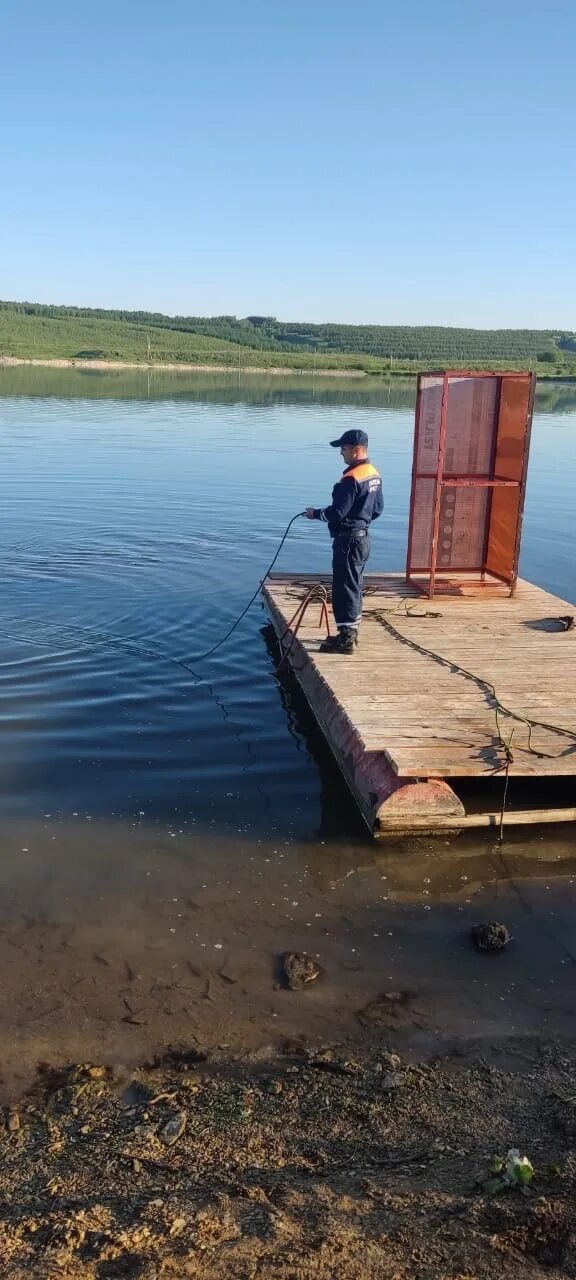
<point>438,486</point>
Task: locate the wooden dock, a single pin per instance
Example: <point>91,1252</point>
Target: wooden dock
<point>460,687</point>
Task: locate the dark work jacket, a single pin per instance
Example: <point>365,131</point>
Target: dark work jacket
<point>356,500</point>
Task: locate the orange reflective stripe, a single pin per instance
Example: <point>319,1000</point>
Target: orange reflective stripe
<point>362,471</point>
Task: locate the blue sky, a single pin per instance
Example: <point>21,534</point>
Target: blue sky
<point>315,160</point>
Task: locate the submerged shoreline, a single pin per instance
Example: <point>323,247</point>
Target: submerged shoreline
<point>260,370</point>
<point>275,371</point>
<point>12,362</point>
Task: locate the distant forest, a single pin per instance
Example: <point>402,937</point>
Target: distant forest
<point>403,342</point>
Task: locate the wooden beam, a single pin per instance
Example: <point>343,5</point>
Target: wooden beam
<point>491,818</point>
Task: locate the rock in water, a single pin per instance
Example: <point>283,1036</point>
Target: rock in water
<point>490,937</point>
<point>299,969</point>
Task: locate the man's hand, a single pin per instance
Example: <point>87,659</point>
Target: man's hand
<point>309,513</point>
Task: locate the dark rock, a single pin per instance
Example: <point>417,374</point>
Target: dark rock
<point>299,969</point>
<point>490,937</point>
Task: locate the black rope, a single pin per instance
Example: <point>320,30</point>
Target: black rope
<point>481,682</point>
<point>201,657</point>
<point>125,643</point>
<point>296,589</point>
<point>509,761</point>
<point>406,610</point>
<point>499,707</point>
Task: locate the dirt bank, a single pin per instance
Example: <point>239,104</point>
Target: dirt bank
<point>301,1166</point>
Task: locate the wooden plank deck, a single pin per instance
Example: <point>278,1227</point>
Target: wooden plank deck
<point>417,714</point>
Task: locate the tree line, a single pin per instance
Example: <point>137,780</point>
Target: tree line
<point>394,342</point>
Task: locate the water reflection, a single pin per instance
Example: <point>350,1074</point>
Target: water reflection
<point>217,388</point>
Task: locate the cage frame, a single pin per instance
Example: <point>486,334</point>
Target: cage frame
<point>479,577</point>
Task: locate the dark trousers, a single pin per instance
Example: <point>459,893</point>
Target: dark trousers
<point>350,552</point>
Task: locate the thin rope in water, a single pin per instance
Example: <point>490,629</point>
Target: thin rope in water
<point>201,657</point>
<point>135,646</point>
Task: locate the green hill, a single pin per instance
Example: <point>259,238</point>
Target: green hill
<point>47,332</point>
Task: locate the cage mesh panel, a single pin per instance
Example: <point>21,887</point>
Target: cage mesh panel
<point>471,422</point>
<point>422,526</point>
<point>429,434</point>
<point>461,531</point>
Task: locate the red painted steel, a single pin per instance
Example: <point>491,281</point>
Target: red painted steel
<point>466,519</point>
<point>438,483</point>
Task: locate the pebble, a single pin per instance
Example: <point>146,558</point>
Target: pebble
<point>174,1128</point>
<point>145,1131</point>
<point>390,1080</point>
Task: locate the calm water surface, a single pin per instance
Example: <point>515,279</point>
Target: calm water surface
<point>149,515</point>
<point>136,516</point>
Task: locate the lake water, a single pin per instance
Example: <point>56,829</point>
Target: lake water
<point>137,514</point>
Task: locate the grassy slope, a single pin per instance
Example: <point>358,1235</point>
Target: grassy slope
<point>40,338</point>
<point>43,338</point>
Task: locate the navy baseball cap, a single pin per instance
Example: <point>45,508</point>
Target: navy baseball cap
<point>350,437</point>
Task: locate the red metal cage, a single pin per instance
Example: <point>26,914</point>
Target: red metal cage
<point>469,472</point>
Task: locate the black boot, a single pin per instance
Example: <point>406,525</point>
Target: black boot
<point>344,642</point>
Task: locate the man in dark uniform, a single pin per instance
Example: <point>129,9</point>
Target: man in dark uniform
<point>356,501</point>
